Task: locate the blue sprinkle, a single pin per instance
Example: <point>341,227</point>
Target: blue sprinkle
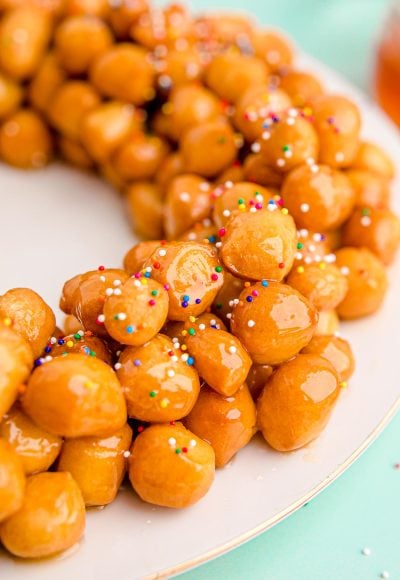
<point>264,283</point>
<point>137,362</point>
<point>38,362</point>
<point>198,300</point>
<point>129,329</point>
<point>190,361</point>
<point>249,299</point>
<point>185,304</point>
<point>186,298</point>
<point>271,202</point>
<point>147,274</point>
<point>212,239</point>
<point>61,341</point>
<point>47,349</point>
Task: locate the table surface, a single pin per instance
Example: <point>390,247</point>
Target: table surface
<point>361,510</point>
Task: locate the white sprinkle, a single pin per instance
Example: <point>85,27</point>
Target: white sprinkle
<point>118,352</point>
<point>317,237</point>
<point>193,443</point>
<point>290,121</point>
<point>117,282</point>
<point>136,283</point>
<point>101,318</point>
<point>117,292</point>
<point>310,160</point>
<point>206,222</point>
<point>317,258</point>
<point>303,233</point>
<point>228,184</point>
<point>280,162</point>
<point>251,323</point>
<point>229,315</point>
<point>53,340</point>
<point>230,303</point>
<point>174,358</point>
<point>314,168</point>
<point>126,454</point>
<point>184,196</point>
<point>48,358</point>
<point>162,253</point>
<point>339,157</point>
<point>256,147</point>
<point>345,270</point>
<point>232,349</point>
<point>226,213</point>
<point>184,357</point>
<point>304,207</point>
<point>172,441</point>
<point>235,301</point>
<point>385,574</point>
<point>192,237</point>
<point>117,366</point>
<point>288,154</point>
<point>121,316</point>
<point>308,259</point>
<point>292,112</point>
<point>253,210</point>
<point>312,248</point>
<point>366,552</point>
<point>213,321</point>
<point>102,278</point>
<point>204,186</point>
<point>109,292</point>
<point>81,333</point>
<point>175,339</point>
<point>365,221</point>
<point>171,373</point>
<point>265,135</point>
<point>330,258</point>
<point>148,269</point>
<point>299,255</point>
<point>202,326</point>
<point>218,245</point>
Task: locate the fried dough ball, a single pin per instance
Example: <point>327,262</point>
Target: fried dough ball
<point>322,283</point>
<point>10,96</point>
<point>192,275</point>
<point>50,520</point>
<point>370,189</point>
<point>171,166</point>
<point>255,106</point>
<point>122,15</point>
<point>297,401</point>
<point>318,195</point>
<point>228,294</point>
<point>375,229</point>
<point>328,323</point>
<point>337,122</point>
<point>179,67</point>
<point>146,209</point>
<point>25,140</point>
<point>52,7</point>
<point>371,157</point>
<point>311,247</point>
<point>69,105</point>
<point>204,231</point>
<point>288,140</point>
<point>302,87</point>
<point>137,313</point>
<point>124,72</point>
<point>273,322</point>
<point>238,198</point>
<point>208,148</point>
<point>257,171</point>
<point>24,35</point>
<point>273,47</point>
<point>259,245</point>
<point>232,174</point>
<point>139,157</point>
<point>336,350</point>
<point>71,326</point>
<point>226,422</point>
<point>187,201</point>
<point>79,41</point>
<point>36,448</point>
<point>16,361</point>
<point>219,357</point>
<point>231,73</point>
<point>158,382</point>
<point>170,466</point>
<point>257,378</point>
<point>48,78</point>
<point>73,152</point>
<point>31,317</point>
<point>75,396</point>
<point>367,282</point>
<point>224,28</point>
<point>97,464</point>
<point>79,342</point>
<point>137,256</point>
<point>12,481</point>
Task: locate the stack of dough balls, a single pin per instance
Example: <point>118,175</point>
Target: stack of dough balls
<point>264,218</point>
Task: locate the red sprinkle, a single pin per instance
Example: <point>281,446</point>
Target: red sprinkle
<point>184,449</point>
<point>214,277</point>
<point>152,302</point>
<point>166,286</point>
<point>172,423</point>
<point>156,265</point>
<point>255,293</point>
<point>221,232</point>
<point>101,268</point>
<point>281,265</point>
<point>140,428</point>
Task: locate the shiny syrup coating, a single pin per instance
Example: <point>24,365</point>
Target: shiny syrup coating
<point>236,199</point>
<point>370,189</point>
<point>136,257</point>
<point>323,284</point>
<point>12,481</point>
<point>336,350</point>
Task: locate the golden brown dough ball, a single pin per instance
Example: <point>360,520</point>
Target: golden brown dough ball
<point>12,481</point>
<point>136,257</point>
<point>273,47</point>
<point>227,423</point>
<point>75,396</point>
<point>337,122</point>
<point>375,229</point>
<point>192,275</point>
<point>105,128</point>
<point>30,316</point>
<point>74,153</point>
<point>166,27</point>
<point>48,78</point>
<point>322,283</point>
<point>328,323</point>
<point>171,166</point>
<point>370,189</point>
<point>11,95</point>
<point>336,350</point>
<point>297,402</point>
<point>234,174</point>
<point>312,246</point>
<point>318,196</point>
<point>69,105</point>
<point>259,245</point>
<point>99,8</point>
<point>52,7</point>
<point>287,141</point>
<point>208,148</point>
<point>255,107</point>
<point>179,466</point>
<point>225,28</point>
<point>231,73</point>
<point>228,294</point>
<point>179,67</point>
<point>257,171</point>
<point>367,282</point>
<point>124,72</point>
<point>137,313</point>
<point>24,35</point>
<point>158,380</point>
<point>125,13</point>
<point>238,198</point>
<point>144,200</point>
<point>302,87</point>
<point>188,200</point>
<point>204,231</point>
<point>25,140</point>
<point>79,41</point>
<point>139,157</point>
<point>97,464</point>
<point>371,157</point>
<point>50,520</point>
<point>273,322</point>
<point>257,378</point>
<point>36,448</point>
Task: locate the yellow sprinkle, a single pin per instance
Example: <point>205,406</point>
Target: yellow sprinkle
<point>144,282</point>
<point>164,403</point>
<point>343,384</point>
<point>184,332</point>
<point>285,211</point>
<point>322,266</point>
<point>89,384</point>
<point>192,318</point>
<point>7,321</point>
<point>300,269</point>
<point>276,197</point>
<point>307,111</point>
<point>242,207</point>
<point>70,344</point>
<point>246,284</point>
<point>183,347</point>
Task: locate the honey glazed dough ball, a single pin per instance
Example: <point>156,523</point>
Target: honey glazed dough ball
<point>12,481</point>
<point>204,232</point>
<point>136,315</point>
<point>139,157</point>
<point>180,67</point>
<point>158,381</point>
<point>164,27</point>
<point>226,297</point>
<point>288,140</point>
<point>98,8</point>
<point>337,122</point>
<point>337,351</point>
<point>30,316</point>
<point>302,87</point>
<point>257,378</point>
<point>370,189</point>
<point>273,322</point>
<point>375,229</point>
<point>137,256</point>
<point>257,171</point>
<point>318,196</point>
<point>74,153</point>
<point>25,140</point>
<point>48,78</point>
<point>16,361</point>
<point>328,323</point>
<point>238,198</point>
<point>97,464</point>
<point>50,520</point>
<point>11,95</point>
<point>233,173</point>
<point>227,423</point>
<point>297,401</point>
<point>75,396</point>
<point>322,283</point>
<point>171,166</point>
<point>79,342</point>
<point>273,47</point>
<point>261,244</point>
<point>36,448</point>
<point>144,202</point>
<point>192,275</point>
<point>371,157</point>
<point>170,466</point>
<point>367,282</point>
<point>123,15</point>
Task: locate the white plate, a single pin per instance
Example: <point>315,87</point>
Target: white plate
<point>58,222</point>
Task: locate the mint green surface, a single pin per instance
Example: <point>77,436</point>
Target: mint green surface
<point>325,539</point>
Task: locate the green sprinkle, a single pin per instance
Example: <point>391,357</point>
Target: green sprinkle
<point>152,394</point>
<point>222,139</point>
<point>177,450</point>
<point>218,305</point>
<point>365,211</point>
<point>92,353</point>
<point>285,148</point>
<point>77,336</point>
<point>218,269</point>
<point>154,292</point>
<point>299,246</point>
<point>240,201</point>
<point>191,331</point>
